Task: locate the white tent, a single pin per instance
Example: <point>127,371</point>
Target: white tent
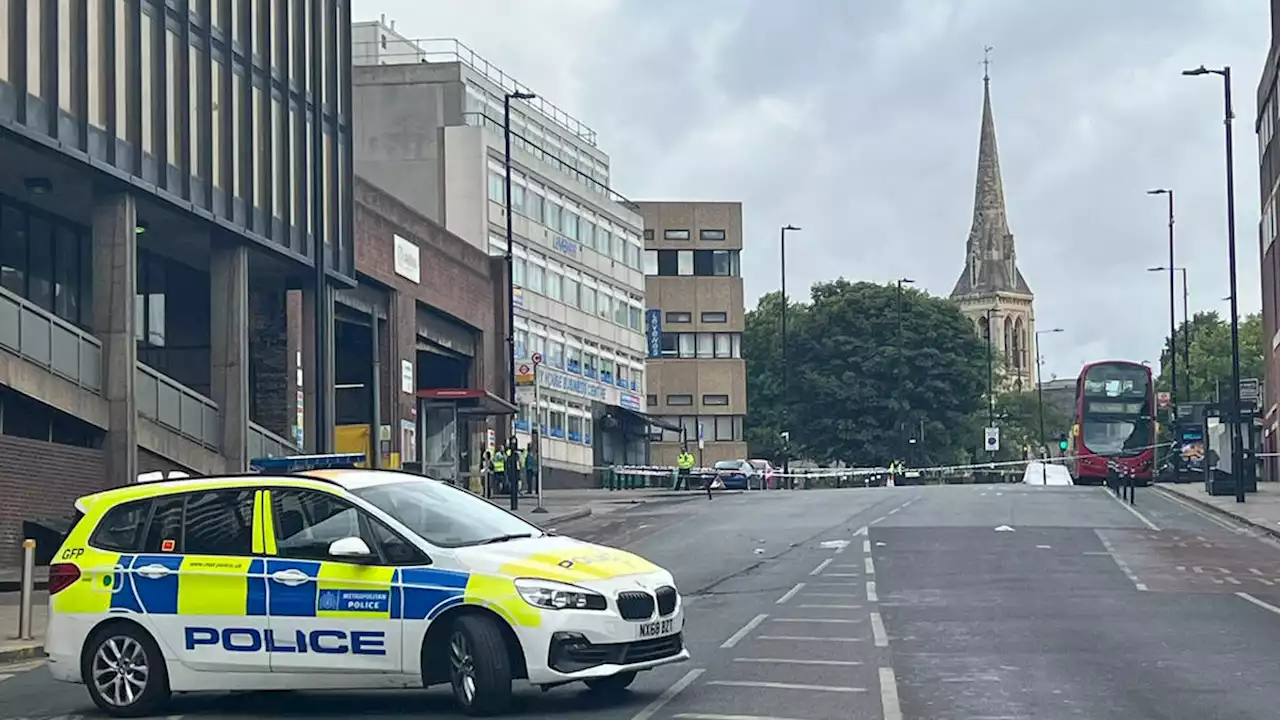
<point>1041,474</point>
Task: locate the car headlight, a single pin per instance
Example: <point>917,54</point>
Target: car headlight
<point>551,595</point>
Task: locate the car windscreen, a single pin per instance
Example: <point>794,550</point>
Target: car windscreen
<point>444,515</point>
<point>728,465</point>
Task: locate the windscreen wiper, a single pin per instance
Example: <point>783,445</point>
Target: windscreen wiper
<point>505,538</point>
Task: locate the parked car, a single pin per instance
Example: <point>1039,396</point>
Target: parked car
<point>735,474</point>
<point>764,470</point>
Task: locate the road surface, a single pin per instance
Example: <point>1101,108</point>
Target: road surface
<point>939,603</point>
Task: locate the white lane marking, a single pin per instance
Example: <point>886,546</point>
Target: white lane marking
<point>880,519</point>
<point>712,716</point>
<point>821,566</point>
<point>833,595</point>
<point>871,592</point>
<point>832,607</point>
<point>866,546</point>
<point>843,575</point>
<point>877,630</point>
<point>1259,603</point>
<point>736,638</point>
<point>889,694</point>
<point>1132,509</point>
<point>1124,566</point>
<point>840,549</point>
<point>870,565</point>
<point>790,593</point>
<point>847,566</point>
<point>834,621</point>
<point>806,638</point>
<point>786,686</point>
<point>1169,495</point>
<point>860,531</point>
<point>894,510</point>
<point>772,661</point>
<point>668,695</point>
<point>835,584</point>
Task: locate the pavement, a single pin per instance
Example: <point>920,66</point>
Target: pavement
<point>1260,510</point>
<point>938,603</point>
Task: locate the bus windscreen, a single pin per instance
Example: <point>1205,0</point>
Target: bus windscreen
<point>1116,410</point>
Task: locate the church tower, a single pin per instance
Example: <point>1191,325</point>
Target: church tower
<point>991,291</point>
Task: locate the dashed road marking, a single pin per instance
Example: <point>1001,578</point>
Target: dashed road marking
<point>866,546</point>
<point>832,607</point>
<point>712,716</point>
<point>877,630</point>
<point>668,695</point>
<point>871,592</point>
<point>808,638</point>
<point>1124,567</point>
<point>794,661</point>
<point>821,566</point>
<point>880,519</point>
<point>1260,603</point>
<point>870,565</point>
<point>889,704</point>
<point>736,638</point>
<point>845,575</point>
<point>846,566</point>
<point>831,621</point>
<point>786,686</point>
<point>861,531</point>
<point>1132,509</point>
<point>832,595</point>
<point>790,593</point>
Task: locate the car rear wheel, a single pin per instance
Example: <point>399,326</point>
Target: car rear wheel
<point>125,672</point>
<point>611,685</point>
<point>479,666</point>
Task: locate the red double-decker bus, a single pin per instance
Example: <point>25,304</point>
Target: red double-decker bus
<point>1115,420</point>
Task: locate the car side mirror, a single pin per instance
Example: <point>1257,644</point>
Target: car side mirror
<point>351,549</point>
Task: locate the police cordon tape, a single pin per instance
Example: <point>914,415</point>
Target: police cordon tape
<point>665,471</point>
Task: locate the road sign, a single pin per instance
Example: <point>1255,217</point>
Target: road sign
<point>524,374</point>
<point>992,443</point>
<point>537,358</point>
<point>1250,389</point>
<point>1162,400</point>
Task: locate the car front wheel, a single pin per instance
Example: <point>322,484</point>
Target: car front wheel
<point>125,672</point>
<point>479,666</point>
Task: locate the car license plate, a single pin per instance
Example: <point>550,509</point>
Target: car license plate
<point>657,628</point>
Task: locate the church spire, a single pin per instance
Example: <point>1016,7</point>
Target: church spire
<point>989,258</point>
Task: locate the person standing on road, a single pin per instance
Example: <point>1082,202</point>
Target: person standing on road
<point>684,463</point>
<point>499,474</point>
<point>513,464</point>
<point>531,467</point>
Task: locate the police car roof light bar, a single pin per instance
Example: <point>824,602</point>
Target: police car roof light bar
<point>303,463</point>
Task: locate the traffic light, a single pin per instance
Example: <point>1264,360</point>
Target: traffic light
<point>1062,442</point>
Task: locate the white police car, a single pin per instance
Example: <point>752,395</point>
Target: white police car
<point>333,579</point>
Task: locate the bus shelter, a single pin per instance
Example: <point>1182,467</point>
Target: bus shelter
<point>453,430</point>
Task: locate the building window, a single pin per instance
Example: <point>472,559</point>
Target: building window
<point>571,292</point>
<point>650,262</point>
<point>575,428</point>
<point>684,263</point>
<point>715,317</point>
<point>711,235</point>
<point>728,428</point>
<point>679,317</point>
<point>715,400</point>
<point>697,263</point>
<point>648,235</point>
<point>666,262</point>
<point>636,319</point>
<point>555,354</point>
<point>680,400</point>
<point>573,359</point>
<point>705,346</point>
<point>670,345</point>
<point>675,234</point>
<point>497,186</point>
<point>557,424</point>
<point>651,400</point>
<point>149,303</point>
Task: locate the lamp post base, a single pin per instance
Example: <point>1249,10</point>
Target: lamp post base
<point>540,510</point>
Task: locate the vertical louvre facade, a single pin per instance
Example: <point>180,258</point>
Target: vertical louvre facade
<point>236,110</point>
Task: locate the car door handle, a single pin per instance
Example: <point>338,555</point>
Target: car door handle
<point>153,572</point>
<point>290,577</point>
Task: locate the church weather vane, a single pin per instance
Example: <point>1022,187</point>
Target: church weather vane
<point>986,62</point>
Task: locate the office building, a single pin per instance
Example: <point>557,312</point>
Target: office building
<point>429,124</point>
<point>170,169</point>
<point>1266,122</point>
<point>693,288</point>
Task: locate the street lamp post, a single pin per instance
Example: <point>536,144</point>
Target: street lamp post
<point>991,397</point>
<point>1173,321</point>
<point>898,416</point>
<point>1186,333</point>
<point>1236,441</point>
<point>786,375</point>
<point>511,285</point>
<point>1044,447</point>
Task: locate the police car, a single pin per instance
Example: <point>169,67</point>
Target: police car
<point>341,579</point>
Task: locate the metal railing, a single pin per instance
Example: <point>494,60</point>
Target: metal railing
<point>264,443</point>
<point>37,335</point>
<point>437,50</point>
<point>177,407</point>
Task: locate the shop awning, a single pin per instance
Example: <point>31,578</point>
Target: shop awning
<point>650,419</point>
<point>469,401</point>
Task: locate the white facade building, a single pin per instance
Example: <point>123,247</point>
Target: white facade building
<point>429,129</point>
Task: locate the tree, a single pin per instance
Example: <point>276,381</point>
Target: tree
<point>1210,369</point>
<point>858,390</point>
<point>1018,417</point>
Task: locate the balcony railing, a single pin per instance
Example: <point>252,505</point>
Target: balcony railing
<point>177,407</point>
<point>56,345</point>
<point>264,443</point>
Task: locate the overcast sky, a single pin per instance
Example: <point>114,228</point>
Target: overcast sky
<point>858,121</point>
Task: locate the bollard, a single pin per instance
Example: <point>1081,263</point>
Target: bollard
<point>28,585</point>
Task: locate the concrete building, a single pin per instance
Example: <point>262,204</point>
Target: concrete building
<point>1266,123</point>
<point>170,170</point>
<point>693,286</point>
<point>991,290</point>
<point>429,125</point>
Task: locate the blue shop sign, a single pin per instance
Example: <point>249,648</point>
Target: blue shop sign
<point>565,245</point>
<point>553,380</point>
<point>653,332</point>
<point>629,401</point>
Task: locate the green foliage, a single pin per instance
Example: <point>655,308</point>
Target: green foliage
<point>1018,417</point>
<point>852,380</point>
<point>1211,355</point>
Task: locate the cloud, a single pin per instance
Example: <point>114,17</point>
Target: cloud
<point>859,122</point>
